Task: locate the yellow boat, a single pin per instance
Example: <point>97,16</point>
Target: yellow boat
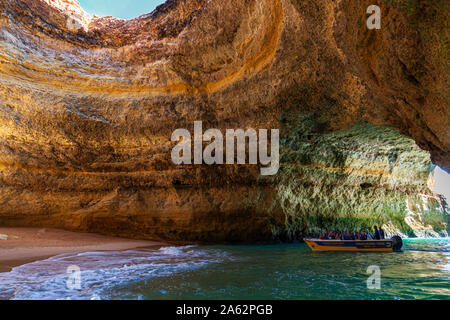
<point>394,244</point>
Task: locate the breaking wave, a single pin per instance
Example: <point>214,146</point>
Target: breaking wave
<point>102,273</point>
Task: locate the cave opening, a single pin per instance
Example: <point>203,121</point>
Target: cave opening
<point>441,183</point>
<point>125,9</point>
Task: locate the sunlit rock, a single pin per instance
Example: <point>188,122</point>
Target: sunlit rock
<point>88,106</point>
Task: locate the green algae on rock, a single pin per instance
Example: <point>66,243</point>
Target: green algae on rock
<point>354,179</point>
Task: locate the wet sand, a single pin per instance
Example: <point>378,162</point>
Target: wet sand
<point>25,245</point>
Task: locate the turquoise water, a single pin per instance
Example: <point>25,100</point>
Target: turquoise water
<point>421,271</point>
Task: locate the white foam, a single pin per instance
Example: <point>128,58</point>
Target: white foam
<point>101,272</point>
<point>174,251</point>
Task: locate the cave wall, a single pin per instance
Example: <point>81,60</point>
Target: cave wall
<point>88,106</point>
<point>353,179</point>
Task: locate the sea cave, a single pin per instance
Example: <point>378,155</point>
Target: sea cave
<point>88,105</point>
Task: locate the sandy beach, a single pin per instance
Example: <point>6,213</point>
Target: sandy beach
<point>26,245</point>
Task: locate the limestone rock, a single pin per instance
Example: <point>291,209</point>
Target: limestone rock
<point>88,106</point>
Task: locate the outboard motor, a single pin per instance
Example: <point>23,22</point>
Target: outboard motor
<point>397,243</point>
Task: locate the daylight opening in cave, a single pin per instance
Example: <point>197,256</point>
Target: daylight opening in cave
<point>125,9</point>
<point>442,183</point>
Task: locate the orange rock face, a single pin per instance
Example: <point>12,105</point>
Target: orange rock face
<point>88,105</point>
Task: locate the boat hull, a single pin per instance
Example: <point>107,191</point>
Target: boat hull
<point>350,245</point>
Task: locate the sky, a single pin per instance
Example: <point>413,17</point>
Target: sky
<point>442,183</point>
<point>125,9</point>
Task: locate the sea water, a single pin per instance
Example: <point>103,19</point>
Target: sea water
<point>421,271</point>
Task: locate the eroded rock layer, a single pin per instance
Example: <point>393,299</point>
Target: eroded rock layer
<point>88,106</point>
